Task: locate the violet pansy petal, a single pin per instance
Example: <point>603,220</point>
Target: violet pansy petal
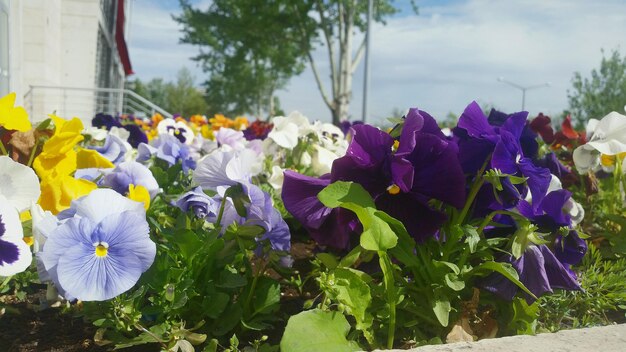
<point>538,180</point>
<point>438,173</point>
<point>370,146</point>
<point>300,197</point>
<point>557,273</point>
<point>474,121</point>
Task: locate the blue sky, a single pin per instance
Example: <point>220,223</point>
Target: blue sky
<point>439,61</point>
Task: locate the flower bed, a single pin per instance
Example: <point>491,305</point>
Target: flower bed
<point>220,234</point>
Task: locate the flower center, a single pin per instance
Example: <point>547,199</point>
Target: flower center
<point>393,189</point>
<point>102,248</point>
<point>396,144</point>
<point>29,240</point>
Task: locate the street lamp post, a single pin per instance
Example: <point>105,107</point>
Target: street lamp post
<point>523,88</point>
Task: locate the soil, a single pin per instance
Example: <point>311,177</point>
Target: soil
<point>24,330</point>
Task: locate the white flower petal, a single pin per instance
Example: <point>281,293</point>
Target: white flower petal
<point>18,183</point>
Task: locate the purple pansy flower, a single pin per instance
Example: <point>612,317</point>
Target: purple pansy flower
<point>570,249</point>
<point>199,202</point>
<point>539,270</point>
<point>549,215</point>
<point>259,212</point>
<point>552,163</point>
<point>102,249</point>
<point>478,140</point>
<point>130,173</point>
<point>167,148</point>
<point>114,149</point>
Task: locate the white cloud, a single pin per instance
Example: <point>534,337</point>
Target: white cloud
<point>440,60</point>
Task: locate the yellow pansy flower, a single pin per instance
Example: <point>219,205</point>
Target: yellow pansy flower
<point>207,132</point>
<point>139,194</point>
<point>13,118</point>
<point>89,158</point>
<point>240,123</point>
<point>50,166</point>
<point>57,193</point>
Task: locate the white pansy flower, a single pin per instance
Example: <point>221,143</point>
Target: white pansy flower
<point>608,138</point>
<point>284,133</point>
<point>177,129</point>
<point>322,160</point>
<point>18,184</point>
<point>276,178</point>
<point>15,255</point>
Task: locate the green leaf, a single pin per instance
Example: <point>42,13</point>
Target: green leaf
<point>377,235</point>
<point>239,197</point>
<point>507,271</point>
<point>266,295</point>
<point>329,260</point>
<point>316,330</point>
<point>214,304</point>
<point>231,280</point>
<point>524,317</point>
<point>188,242</point>
<point>351,257</point>
<point>340,192</point>
<point>211,346</point>
<point>441,307</point>
<point>250,231</point>
<point>452,280</point>
<point>472,238</point>
<point>355,294</point>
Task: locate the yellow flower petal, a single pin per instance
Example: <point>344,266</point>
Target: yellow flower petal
<point>139,194</point>
<point>52,166</point>
<point>25,215</point>
<point>13,118</point>
<point>88,158</point>
<point>57,193</point>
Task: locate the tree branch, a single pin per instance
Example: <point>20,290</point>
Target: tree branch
<point>359,55</point>
<point>319,82</point>
<point>326,29</point>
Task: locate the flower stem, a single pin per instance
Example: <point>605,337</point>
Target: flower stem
<point>31,158</point>
<point>390,290</point>
<point>3,149</point>
<point>478,183</point>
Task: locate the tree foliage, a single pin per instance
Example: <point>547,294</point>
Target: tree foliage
<point>250,48</point>
<point>180,97</point>
<point>603,92</point>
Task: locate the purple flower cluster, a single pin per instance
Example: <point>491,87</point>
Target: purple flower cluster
<point>415,176</point>
<point>505,143</point>
<point>402,176</point>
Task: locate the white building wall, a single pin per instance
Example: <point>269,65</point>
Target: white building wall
<point>54,43</point>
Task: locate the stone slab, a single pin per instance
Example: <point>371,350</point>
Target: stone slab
<point>602,339</point>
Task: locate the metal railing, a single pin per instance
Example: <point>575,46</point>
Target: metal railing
<point>84,103</point>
